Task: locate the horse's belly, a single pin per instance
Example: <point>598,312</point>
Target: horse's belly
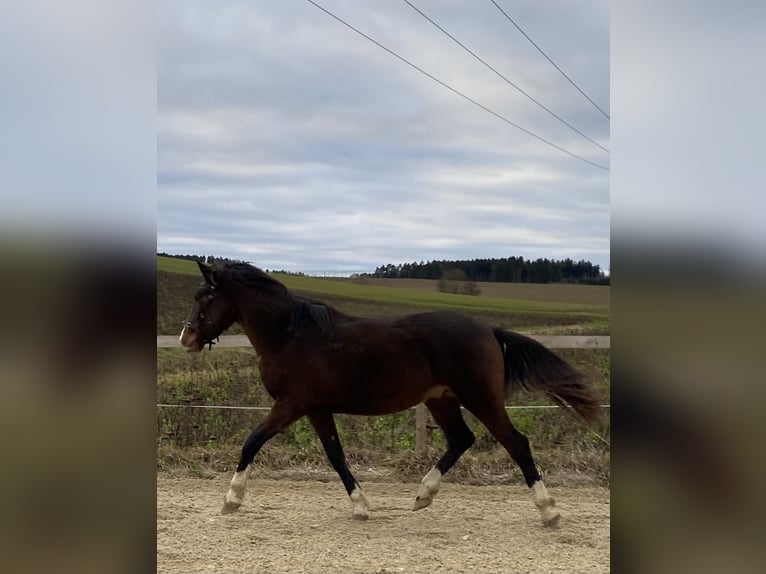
<point>388,397</point>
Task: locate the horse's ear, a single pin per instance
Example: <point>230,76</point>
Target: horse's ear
<point>208,273</point>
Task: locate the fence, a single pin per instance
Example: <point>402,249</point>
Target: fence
<point>421,416</point>
<point>552,341</point>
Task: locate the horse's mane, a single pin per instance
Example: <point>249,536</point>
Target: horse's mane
<point>307,313</point>
<point>246,275</point>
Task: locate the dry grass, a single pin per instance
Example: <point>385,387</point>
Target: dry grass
<point>584,467</point>
<point>205,443</point>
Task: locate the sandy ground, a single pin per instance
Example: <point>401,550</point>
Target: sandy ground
<point>288,526</point>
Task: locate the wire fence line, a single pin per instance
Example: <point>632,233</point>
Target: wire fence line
<point>243,408</point>
<point>421,435</point>
<point>551,341</point>
<point>241,341</point>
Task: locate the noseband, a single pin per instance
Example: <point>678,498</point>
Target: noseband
<point>208,342</point>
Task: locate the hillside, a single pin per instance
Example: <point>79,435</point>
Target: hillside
<point>527,307</point>
<point>206,440</point>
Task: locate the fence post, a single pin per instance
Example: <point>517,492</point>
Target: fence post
<point>421,432</point>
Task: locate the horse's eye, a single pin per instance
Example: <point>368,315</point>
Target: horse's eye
<point>201,315</point>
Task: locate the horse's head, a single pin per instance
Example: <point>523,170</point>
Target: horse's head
<point>211,314</point>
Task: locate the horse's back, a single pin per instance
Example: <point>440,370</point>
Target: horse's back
<point>443,323</point>
<point>374,366</point>
<point>459,350</point>
<point>446,331</point>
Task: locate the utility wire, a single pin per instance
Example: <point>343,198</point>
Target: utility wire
<point>547,58</point>
<point>458,42</point>
<point>453,90</point>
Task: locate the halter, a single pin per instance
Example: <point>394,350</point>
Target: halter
<point>209,323</point>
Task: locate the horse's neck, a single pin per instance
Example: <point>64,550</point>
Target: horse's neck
<point>266,324</point>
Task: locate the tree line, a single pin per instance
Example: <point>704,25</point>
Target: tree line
<point>507,270</point>
<point>209,259</point>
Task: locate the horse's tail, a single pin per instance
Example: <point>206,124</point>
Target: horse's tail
<point>529,365</point>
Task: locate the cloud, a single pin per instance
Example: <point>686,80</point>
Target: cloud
<point>288,140</point>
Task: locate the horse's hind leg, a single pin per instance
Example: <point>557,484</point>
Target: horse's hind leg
<point>324,425</point>
<point>497,422</point>
<point>446,413</point>
<point>279,418</point>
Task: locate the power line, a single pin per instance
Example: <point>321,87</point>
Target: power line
<point>562,120</point>
<point>453,90</point>
<point>547,58</point>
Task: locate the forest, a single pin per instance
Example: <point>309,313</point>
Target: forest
<point>504,270</point>
<point>507,270</point>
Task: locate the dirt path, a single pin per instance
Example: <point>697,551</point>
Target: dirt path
<point>287,526</point>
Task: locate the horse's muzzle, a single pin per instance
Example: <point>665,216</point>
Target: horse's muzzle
<point>190,338</point>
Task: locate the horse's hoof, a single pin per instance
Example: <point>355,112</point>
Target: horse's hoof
<point>552,521</point>
<point>229,507</point>
<point>357,515</point>
<point>422,502</point>
<point>360,506</point>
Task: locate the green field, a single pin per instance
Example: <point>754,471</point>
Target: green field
<point>551,309</point>
<point>208,440</point>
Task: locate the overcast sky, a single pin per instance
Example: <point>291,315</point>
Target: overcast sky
<point>288,140</point>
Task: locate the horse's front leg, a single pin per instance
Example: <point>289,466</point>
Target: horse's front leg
<point>279,418</point>
<point>324,425</point>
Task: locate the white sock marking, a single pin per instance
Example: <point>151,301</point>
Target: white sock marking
<point>360,506</point>
<point>428,489</point>
<point>236,492</point>
<point>540,493</point>
<point>545,504</point>
<point>432,480</point>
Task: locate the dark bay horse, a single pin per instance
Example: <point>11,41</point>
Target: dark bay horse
<point>316,361</point>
